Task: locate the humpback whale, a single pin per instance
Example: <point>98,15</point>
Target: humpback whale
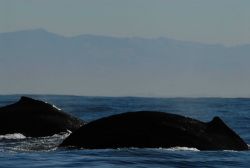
<point>34,118</point>
<point>147,129</point>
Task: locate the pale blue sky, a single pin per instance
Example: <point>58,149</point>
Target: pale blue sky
<point>209,21</point>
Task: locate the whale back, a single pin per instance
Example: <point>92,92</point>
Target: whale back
<point>36,118</point>
<point>147,129</point>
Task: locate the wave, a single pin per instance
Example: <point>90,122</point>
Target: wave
<point>178,148</point>
<point>61,135</point>
<point>12,136</point>
<point>18,142</point>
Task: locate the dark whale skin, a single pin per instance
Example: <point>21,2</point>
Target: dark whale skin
<point>34,118</point>
<point>147,129</point>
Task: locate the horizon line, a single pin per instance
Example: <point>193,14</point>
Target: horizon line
<point>149,97</point>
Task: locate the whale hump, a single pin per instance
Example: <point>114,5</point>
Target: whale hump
<point>29,102</point>
<point>26,99</point>
<point>147,129</point>
<point>35,118</point>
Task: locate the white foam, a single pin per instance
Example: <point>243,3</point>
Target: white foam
<point>13,136</point>
<point>54,106</point>
<point>178,148</point>
<point>62,134</point>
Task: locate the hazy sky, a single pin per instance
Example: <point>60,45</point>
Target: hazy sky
<point>225,22</point>
<point>209,21</point>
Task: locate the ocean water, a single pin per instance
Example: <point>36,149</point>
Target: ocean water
<point>19,151</point>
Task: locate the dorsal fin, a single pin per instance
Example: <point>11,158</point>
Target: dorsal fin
<point>217,125</point>
<point>217,120</point>
<point>219,130</point>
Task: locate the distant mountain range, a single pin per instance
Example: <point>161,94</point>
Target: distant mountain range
<point>37,61</point>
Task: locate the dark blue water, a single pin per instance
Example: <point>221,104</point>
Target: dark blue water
<point>19,151</point>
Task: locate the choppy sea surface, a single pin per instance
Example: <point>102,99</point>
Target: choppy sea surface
<point>17,150</point>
